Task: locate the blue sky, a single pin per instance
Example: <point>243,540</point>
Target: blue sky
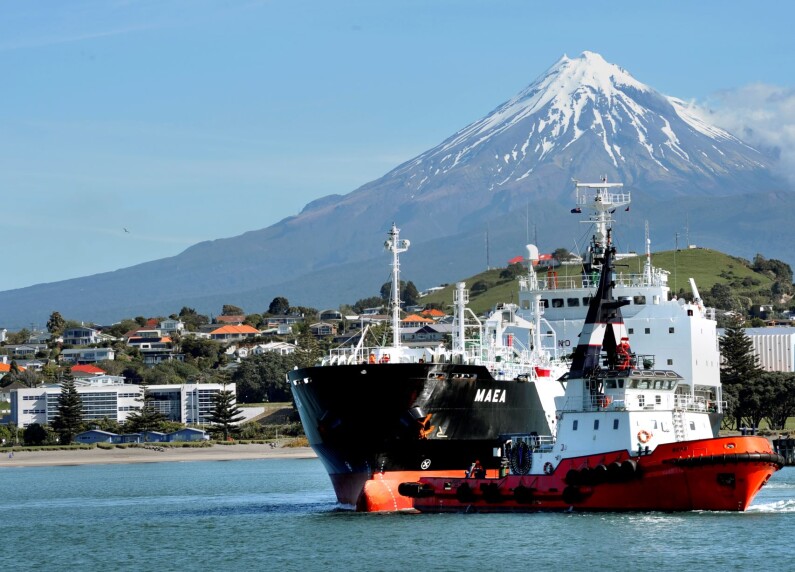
<point>185,121</point>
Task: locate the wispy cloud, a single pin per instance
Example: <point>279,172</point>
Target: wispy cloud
<point>762,115</point>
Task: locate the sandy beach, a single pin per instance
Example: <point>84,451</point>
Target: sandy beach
<point>140,455</point>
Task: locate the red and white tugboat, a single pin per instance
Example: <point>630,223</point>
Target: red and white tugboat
<point>626,439</point>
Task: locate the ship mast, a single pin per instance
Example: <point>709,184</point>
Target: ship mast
<point>600,198</point>
<point>396,246</point>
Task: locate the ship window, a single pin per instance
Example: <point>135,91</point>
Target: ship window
<point>587,300</point>
<point>647,331</point>
<point>557,302</point>
<point>658,399</point>
<point>670,361</point>
<point>692,425</point>
<point>544,303</point>
<point>595,424</point>
<point>641,400</point>
<point>671,330</point>
<point>630,330</point>
<point>615,423</point>
<point>639,299</point>
<point>571,302</point>
<point>611,384</point>
<point>574,425</point>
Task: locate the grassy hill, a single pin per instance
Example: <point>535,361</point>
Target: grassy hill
<point>707,267</point>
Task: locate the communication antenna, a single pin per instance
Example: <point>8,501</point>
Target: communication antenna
<point>395,245</point>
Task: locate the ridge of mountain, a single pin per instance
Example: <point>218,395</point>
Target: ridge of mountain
<point>503,174</point>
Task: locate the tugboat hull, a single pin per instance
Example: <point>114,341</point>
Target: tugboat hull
<point>722,474</point>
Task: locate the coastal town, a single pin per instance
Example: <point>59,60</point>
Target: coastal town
<point>178,366</point>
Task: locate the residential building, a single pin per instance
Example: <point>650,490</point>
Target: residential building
<point>322,329</point>
<point>283,348</point>
<point>101,397</point>
<point>87,355</point>
<point>169,327</point>
<point>233,333</point>
<point>81,336</point>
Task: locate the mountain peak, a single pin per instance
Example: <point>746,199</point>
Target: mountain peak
<point>584,105</point>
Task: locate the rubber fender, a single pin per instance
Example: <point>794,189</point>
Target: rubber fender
<point>599,474</point>
<point>491,492</point>
<point>572,495</point>
<point>573,477</point>
<point>464,493</point>
<point>614,472</point>
<point>415,490</point>
<point>629,469</point>
<point>523,494</point>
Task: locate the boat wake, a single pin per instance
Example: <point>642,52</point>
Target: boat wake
<point>781,506</point>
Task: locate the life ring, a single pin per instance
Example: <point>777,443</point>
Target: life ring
<point>644,436</point>
<point>548,468</point>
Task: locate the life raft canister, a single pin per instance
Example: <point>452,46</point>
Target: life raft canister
<point>644,436</point>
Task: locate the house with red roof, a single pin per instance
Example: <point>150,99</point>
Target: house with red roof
<point>232,333</point>
<point>87,370</point>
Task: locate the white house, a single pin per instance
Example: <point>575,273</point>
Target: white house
<point>87,355</point>
<point>81,336</point>
<point>283,348</point>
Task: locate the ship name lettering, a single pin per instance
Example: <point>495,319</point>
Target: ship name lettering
<point>493,396</point>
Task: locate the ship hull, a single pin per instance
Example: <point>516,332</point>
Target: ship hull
<point>376,425</point>
<point>722,474</point>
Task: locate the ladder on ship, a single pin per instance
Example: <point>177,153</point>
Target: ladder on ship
<point>679,424</point>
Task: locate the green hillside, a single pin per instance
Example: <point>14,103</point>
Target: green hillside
<point>707,267</point>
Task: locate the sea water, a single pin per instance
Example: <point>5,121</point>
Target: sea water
<point>280,514</point>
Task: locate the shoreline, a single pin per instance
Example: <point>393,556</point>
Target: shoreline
<point>132,455</point>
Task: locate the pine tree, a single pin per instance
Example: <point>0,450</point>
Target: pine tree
<point>69,420</point>
<point>147,418</point>
<point>225,413</point>
<point>739,370</point>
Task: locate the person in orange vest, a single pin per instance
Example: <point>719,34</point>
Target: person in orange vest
<point>622,351</point>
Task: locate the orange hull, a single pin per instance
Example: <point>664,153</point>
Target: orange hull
<point>379,492</point>
<point>722,474</point>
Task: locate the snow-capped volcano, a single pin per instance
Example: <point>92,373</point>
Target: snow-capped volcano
<point>585,115</point>
<point>582,119</point>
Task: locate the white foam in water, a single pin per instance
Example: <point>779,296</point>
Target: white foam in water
<point>777,506</point>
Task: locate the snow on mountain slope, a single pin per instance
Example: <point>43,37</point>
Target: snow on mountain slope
<point>588,103</point>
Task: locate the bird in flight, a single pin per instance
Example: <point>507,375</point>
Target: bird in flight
<point>127,231</point>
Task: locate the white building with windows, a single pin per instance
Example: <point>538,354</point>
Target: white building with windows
<point>775,347</point>
<point>190,403</point>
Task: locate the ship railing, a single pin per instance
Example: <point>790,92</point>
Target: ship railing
<point>552,281</point>
<point>697,404</point>
<point>539,443</point>
<point>383,354</point>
